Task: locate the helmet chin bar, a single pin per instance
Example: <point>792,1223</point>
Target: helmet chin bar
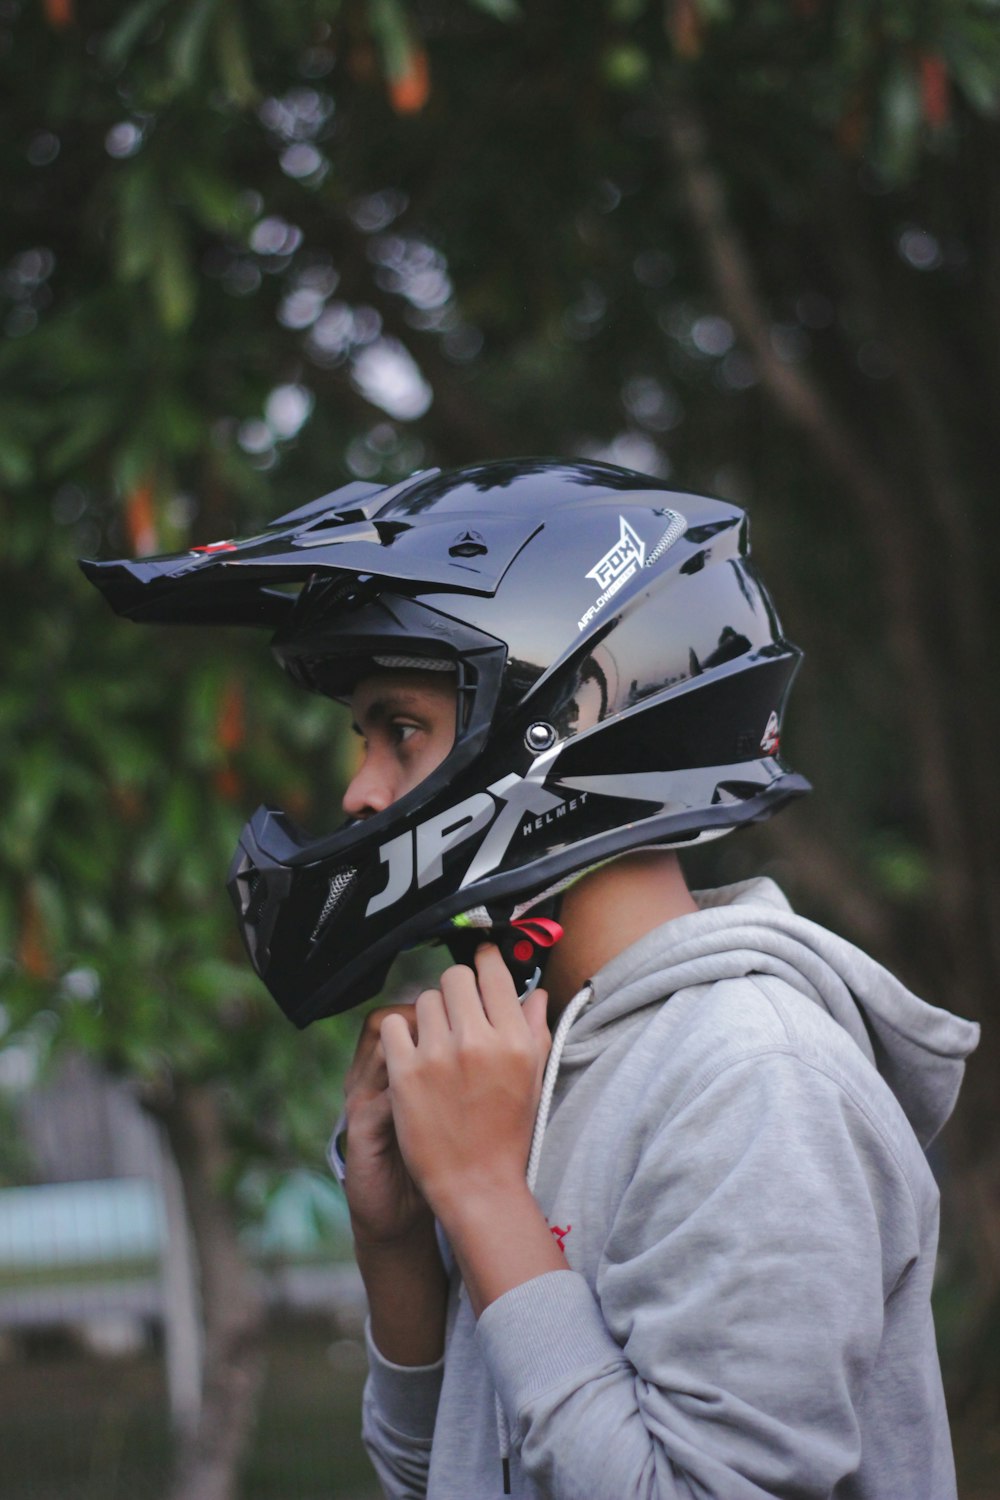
<point>344,970</point>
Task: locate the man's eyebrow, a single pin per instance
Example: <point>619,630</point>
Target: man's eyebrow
<point>393,701</point>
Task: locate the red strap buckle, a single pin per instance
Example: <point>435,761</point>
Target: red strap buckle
<point>542,931</point>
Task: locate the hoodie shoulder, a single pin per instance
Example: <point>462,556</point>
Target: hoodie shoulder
<point>752,1020</point>
<point>747,934</point>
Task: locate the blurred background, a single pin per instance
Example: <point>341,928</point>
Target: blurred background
<point>251,249</point>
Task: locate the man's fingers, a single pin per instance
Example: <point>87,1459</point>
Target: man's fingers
<point>464,1008</point>
<point>397,1041</point>
<point>432,1020</point>
<point>367,1068</point>
<point>496,986</point>
<point>371,1114</point>
<point>371,1027</point>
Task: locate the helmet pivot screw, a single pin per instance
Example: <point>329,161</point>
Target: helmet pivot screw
<point>539,736</point>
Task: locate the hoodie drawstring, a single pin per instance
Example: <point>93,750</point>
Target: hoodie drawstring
<point>569,1015</point>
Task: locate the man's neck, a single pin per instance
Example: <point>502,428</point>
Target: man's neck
<point>607,911</point>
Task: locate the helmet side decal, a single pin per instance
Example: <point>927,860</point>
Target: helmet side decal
<point>615,568</point>
<point>424,848</point>
<point>517,804</point>
<point>617,561</point>
<point>418,854</point>
<point>523,796</point>
<point>626,557</point>
<point>692,787</point>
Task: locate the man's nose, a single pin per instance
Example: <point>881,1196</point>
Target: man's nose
<point>370,790</point>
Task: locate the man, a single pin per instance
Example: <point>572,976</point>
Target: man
<point>687,1251</point>
<point>778,1309</point>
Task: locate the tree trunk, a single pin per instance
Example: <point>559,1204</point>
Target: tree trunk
<point>918,513</point>
<point>209,1456</point>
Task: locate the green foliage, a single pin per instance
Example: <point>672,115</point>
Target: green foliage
<point>394,31</point>
<point>127,794</point>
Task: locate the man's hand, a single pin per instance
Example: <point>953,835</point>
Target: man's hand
<point>394,1236</point>
<point>386,1205</point>
<point>465,1087</point>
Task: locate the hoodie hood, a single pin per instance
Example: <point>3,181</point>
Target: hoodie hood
<point>749,928</point>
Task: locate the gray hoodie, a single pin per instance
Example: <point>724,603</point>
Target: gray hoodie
<point>734,1165</point>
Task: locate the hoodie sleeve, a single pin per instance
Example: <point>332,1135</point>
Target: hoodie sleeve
<point>397,1422</point>
<point>738,1307</point>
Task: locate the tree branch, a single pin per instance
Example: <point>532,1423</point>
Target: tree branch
<point>881,512</point>
<point>935,467</point>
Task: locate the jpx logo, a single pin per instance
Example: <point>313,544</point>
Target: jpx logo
<point>615,568</point>
<point>418,854</point>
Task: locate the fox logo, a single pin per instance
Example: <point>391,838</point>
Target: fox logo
<point>629,549</point>
<point>615,568</point>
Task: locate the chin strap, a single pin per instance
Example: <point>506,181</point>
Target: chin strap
<point>525,942</point>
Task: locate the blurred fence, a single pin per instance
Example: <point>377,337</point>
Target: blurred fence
<point>99,1315</point>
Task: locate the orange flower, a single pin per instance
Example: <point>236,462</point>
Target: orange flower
<point>58,13</point>
<point>32,947</point>
<point>230,724</point>
<point>140,519</point>
<point>935,95</point>
<point>228,784</point>
<point>684,27</point>
<point>412,89</point>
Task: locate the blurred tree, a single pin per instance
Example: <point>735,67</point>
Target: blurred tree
<point>251,250</point>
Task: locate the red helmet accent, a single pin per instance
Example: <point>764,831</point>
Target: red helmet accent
<point>542,931</point>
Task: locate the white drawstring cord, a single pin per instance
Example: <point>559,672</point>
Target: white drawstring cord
<point>566,1020</point>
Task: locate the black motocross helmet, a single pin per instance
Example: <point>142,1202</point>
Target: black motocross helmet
<point>621,679</point>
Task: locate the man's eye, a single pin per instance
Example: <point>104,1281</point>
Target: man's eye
<point>403,732</point>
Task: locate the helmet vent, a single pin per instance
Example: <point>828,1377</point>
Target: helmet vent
<point>340,883</point>
<point>248,884</point>
<point>415,663</point>
<point>329,594</point>
<point>468,544</point>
